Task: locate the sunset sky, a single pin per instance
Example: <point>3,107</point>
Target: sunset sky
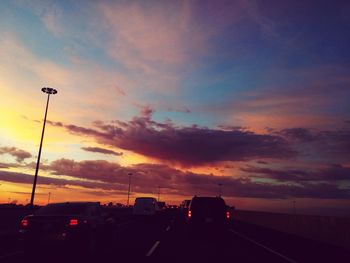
<point>185,95</point>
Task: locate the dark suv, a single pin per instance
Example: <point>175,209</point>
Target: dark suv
<point>207,212</point>
<point>78,225</point>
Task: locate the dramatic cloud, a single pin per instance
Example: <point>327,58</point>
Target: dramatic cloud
<point>332,145</point>
<point>188,146</point>
<point>94,170</point>
<point>299,134</point>
<point>24,178</point>
<point>19,154</point>
<point>110,176</point>
<point>4,166</point>
<point>330,173</point>
<point>11,165</point>
<point>101,150</point>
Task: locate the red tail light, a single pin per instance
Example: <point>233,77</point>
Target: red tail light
<point>73,222</point>
<point>228,215</point>
<point>189,213</point>
<point>24,223</point>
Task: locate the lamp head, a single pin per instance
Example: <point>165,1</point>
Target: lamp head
<point>49,90</point>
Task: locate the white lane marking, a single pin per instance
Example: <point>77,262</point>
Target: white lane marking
<point>168,228</point>
<point>11,254</point>
<point>150,252</point>
<point>265,247</point>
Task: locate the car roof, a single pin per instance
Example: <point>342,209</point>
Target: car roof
<point>203,199</point>
<point>207,197</point>
<point>75,203</point>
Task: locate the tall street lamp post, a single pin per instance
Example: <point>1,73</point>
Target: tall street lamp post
<point>48,199</point>
<point>220,189</point>
<point>129,188</point>
<point>49,91</point>
<point>158,193</point>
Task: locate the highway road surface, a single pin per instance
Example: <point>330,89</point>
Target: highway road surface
<point>165,238</point>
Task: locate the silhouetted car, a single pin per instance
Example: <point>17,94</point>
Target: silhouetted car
<point>145,206</point>
<point>76,225</point>
<point>207,212</point>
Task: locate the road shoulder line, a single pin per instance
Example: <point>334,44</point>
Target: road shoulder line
<point>265,247</point>
<point>153,248</point>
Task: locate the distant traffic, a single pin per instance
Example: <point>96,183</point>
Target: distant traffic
<point>200,229</point>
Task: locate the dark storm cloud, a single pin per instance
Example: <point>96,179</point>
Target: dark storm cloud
<point>262,162</point>
<point>331,173</point>
<point>76,129</point>
<point>196,146</point>
<point>24,178</point>
<point>330,143</point>
<point>188,146</point>
<point>299,134</point>
<point>100,170</point>
<point>19,154</point>
<point>101,150</point>
<point>146,178</point>
<point>341,136</point>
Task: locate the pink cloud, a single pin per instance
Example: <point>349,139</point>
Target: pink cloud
<point>19,154</point>
<point>187,146</point>
<point>330,173</point>
<point>141,34</point>
<point>147,177</point>
<point>101,150</point>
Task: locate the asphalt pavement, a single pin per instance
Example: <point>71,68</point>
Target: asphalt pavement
<point>166,238</point>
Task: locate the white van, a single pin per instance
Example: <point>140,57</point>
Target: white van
<point>145,206</point>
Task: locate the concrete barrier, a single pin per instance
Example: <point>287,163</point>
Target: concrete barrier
<point>332,230</point>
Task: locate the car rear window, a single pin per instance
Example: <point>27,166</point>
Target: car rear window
<point>144,200</point>
<point>62,209</point>
<point>205,203</point>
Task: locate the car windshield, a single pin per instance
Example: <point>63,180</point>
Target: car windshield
<point>62,209</point>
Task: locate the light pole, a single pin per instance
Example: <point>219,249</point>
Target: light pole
<point>48,199</point>
<point>158,193</point>
<point>127,203</point>
<point>294,207</point>
<point>49,91</point>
